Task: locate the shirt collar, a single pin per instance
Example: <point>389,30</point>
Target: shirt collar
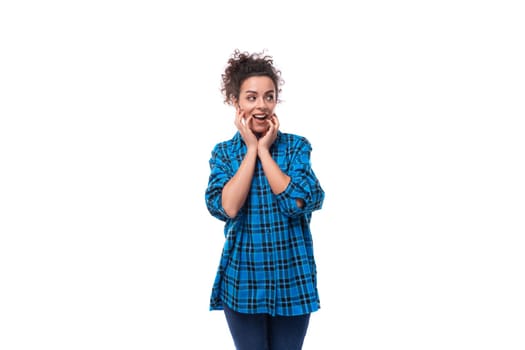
<point>238,142</point>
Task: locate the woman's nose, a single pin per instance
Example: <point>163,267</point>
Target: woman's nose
<point>260,103</point>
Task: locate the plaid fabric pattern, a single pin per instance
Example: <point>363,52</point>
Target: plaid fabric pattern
<point>267,264</point>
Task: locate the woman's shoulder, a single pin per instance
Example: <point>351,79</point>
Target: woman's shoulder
<point>228,145</point>
<point>294,139</point>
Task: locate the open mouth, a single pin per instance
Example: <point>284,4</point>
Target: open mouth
<point>260,116</point>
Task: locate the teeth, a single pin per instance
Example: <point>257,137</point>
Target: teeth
<point>260,116</point>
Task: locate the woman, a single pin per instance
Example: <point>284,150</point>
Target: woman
<point>263,187</point>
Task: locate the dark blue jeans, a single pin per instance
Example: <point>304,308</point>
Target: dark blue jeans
<point>265,332</point>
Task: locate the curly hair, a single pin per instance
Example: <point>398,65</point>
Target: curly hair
<point>242,65</point>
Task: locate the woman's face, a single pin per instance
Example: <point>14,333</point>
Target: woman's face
<point>257,99</point>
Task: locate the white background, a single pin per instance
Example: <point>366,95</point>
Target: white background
<point>109,111</point>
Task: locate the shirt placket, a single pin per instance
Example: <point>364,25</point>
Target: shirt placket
<point>268,240</point>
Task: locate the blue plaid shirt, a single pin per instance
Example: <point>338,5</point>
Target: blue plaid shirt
<point>267,263</point>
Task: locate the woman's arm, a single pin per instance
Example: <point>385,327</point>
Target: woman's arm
<point>236,190</point>
<point>277,179</point>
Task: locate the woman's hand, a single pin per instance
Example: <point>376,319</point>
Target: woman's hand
<point>266,141</point>
<point>243,125</point>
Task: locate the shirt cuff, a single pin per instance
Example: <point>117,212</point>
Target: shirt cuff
<point>287,200</point>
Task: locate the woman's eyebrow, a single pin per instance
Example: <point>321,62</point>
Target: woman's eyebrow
<point>254,92</point>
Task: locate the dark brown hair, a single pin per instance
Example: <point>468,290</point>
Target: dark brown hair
<point>242,65</point>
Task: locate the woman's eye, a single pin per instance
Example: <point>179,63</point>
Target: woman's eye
<point>251,98</point>
<point>269,97</point>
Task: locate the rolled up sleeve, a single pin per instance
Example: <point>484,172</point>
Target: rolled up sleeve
<point>303,184</point>
<point>220,174</point>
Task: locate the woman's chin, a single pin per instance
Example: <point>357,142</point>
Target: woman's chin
<point>260,131</point>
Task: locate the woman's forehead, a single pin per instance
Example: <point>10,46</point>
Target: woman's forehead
<point>257,84</point>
